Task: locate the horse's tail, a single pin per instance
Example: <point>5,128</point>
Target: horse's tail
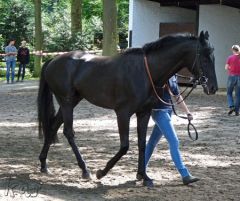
<point>46,110</point>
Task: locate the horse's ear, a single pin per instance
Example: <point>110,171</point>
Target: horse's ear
<point>206,35</point>
<point>202,37</point>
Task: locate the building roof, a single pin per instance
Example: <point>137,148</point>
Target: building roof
<point>193,4</point>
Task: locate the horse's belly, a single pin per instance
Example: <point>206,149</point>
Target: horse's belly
<point>99,96</point>
<point>100,103</point>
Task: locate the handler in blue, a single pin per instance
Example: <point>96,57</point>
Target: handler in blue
<point>161,115</point>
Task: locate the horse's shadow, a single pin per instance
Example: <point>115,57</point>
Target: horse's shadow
<point>14,185</point>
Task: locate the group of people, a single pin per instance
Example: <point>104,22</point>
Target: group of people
<point>12,56</point>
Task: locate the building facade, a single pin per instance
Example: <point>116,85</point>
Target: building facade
<point>148,20</point>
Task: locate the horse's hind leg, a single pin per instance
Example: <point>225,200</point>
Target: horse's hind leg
<point>57,122</point>
<point>43,156</point>
<point>123,126</point>
<point>142,123</point>
<point>67,112</point>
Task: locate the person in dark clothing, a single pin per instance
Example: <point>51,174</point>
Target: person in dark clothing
<point>23,58</point>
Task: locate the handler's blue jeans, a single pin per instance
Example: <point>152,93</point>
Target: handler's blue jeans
<point>233,82</point>
<point>164,126</point>
<point>10,66</point>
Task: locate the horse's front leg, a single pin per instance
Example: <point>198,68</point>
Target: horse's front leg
<point>142,124</point>
<point>123,119</point>
<point>67,113</point>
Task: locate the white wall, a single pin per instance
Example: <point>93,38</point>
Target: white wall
<point>145,21</point>
<point>223,25</point>
<point>145,17</point>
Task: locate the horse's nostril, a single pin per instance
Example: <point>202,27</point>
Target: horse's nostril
<point>213,89</point>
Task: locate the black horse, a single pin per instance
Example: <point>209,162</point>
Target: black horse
<point>120,83</point>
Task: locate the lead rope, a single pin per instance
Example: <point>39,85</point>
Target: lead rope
<point>171,104</point>
<point>154,88</point>
<point>150,78</point>
<point>188,126</point>
<point>183,117</point>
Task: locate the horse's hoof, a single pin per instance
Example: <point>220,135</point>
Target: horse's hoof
<point>45,171</point>
<point>86,175</point>
<point>148,183</point>
<point>99,174</point>
<point>139,177</point>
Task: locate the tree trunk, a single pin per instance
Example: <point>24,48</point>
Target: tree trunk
<point>76,16</point>
<point>38,38</point>
<point>109,27</point>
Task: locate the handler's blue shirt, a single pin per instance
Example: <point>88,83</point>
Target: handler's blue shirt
<point>173,86</point>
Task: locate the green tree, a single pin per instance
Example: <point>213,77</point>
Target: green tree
<point>109,27</point>
<point>16,20</point>
<point>38,37</point>
<point>76,16</point>
<point>122,22</point>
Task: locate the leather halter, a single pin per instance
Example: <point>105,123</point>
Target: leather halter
<point>202,80</point>
<point>171,104</point>
<point>166,85</point>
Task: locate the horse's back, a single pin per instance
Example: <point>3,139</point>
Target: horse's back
<point>103,81</point>
<point>61,71</point>
<point>82,73</point>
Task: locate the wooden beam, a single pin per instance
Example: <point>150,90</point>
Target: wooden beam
<point>194,3</point>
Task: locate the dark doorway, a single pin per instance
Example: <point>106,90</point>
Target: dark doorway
<point>170,28</point>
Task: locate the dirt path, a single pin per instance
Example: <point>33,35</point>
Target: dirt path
<point>215,157</point>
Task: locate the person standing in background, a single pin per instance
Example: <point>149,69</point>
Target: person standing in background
<point>233,82</point>
<point>23,58</point>
<point>11,53</point>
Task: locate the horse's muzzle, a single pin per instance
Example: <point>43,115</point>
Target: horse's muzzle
<point>209,89</point>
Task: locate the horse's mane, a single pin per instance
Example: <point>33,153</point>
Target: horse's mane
<point>161,42</point>
<point>172,38</point>
<point>133,50</point>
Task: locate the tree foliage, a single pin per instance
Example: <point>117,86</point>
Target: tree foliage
<point>17,21</point>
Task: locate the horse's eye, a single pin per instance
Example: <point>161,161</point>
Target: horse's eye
<point>205,60</point>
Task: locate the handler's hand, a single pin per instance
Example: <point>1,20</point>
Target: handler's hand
<point>189,116</point>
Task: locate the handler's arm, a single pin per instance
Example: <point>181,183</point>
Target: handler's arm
<point>184,107</point>
<point>227,67</point>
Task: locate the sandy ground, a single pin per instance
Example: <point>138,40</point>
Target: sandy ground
<point>215,157</point>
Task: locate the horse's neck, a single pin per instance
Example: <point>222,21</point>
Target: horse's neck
<point>163,68</point>
<point>164,65</point>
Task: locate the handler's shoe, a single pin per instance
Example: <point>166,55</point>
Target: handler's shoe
<point>231,110</point>
<point>237,113</point>
<point>189,179</point>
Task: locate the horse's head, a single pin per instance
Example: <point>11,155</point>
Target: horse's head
<point>203,67</point>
